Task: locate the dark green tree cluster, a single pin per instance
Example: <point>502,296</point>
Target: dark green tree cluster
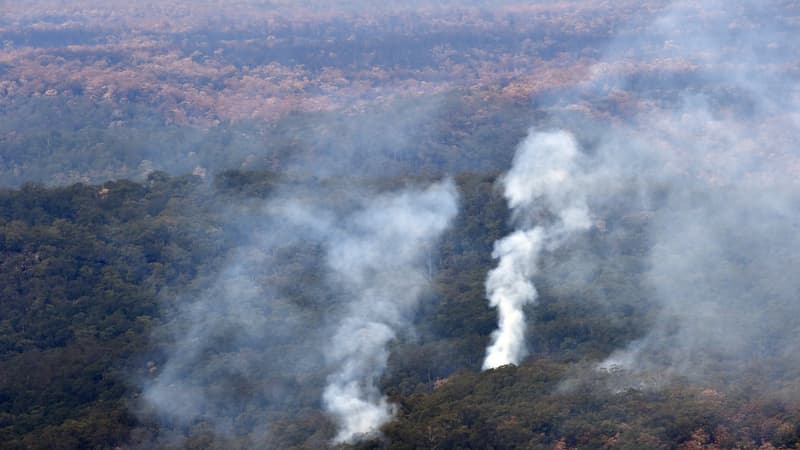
<point>90,273</point>
<point>81,268</point>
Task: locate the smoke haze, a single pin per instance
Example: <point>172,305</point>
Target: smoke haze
<point>716,171</point>
<point>245,327</point>
<point>710,170</point>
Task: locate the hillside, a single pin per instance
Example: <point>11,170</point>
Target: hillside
<point>91,273</point>
<point>446,225</point>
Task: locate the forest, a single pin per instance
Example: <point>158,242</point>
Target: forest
<point>85,269</point>
<point>399,225</point>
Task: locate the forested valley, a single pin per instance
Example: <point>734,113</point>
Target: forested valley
<point>85,266</point>
<point>385,225</point>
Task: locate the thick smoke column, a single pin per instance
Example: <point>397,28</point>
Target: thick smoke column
<point>377,260</point>
<point>545,179</point>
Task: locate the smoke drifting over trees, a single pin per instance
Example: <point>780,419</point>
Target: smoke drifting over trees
<point>380,264</point>
<point>372,274</point>
<point>326,194</point>
<point>721,187</point>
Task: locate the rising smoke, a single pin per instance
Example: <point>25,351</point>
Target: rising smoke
<point>377,260</point>
<point>716,169</point>
<point>714,165</point>
<point>545,190</point>
<point>246,330</point>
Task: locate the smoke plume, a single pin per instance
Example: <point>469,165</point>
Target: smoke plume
<point>545,187</point>
<point>250,341</point>
<point>378,263</point>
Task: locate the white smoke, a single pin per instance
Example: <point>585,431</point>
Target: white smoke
<point>377,259</point>
<point>545,179</point>
<point>244,330</point>
<point>723,233</point>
